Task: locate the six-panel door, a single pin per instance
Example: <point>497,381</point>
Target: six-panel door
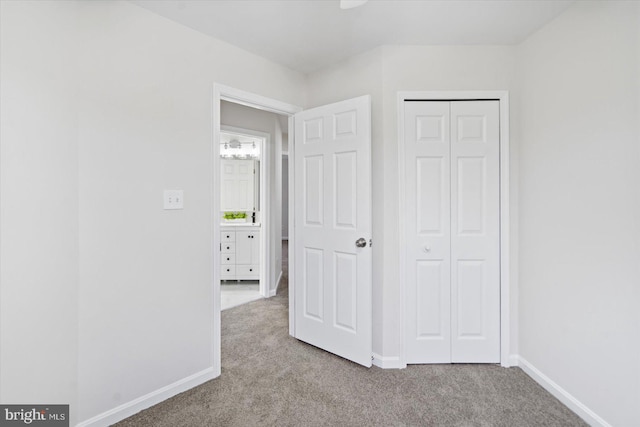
<point>333,210</point>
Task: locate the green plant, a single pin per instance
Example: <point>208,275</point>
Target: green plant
<point>235,215</point>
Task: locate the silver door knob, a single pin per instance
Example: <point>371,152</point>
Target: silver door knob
<point>361,243</point>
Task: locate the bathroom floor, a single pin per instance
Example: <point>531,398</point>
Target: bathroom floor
<point>234,293</point>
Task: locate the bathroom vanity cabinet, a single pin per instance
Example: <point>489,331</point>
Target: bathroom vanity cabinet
<point>240,252</point>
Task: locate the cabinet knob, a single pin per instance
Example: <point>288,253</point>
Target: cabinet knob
<point>251,269</point>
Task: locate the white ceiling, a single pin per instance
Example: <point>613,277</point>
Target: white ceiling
<point>307,35</point>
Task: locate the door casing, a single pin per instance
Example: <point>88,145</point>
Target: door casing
<point>506,359</point>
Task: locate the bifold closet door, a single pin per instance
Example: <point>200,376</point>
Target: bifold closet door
<point>452,231</point>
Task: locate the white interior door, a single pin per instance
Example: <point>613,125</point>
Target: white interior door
<point>332,216</point>
<point>452,231</point>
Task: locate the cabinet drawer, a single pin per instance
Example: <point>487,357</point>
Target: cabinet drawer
<point>228,247</point>
<point>228,258</point>
<point>227,236</point>
<point>252,270</point>
<point>228,271</point>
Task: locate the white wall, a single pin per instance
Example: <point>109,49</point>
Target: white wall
<point>145,273</point>
<point>237,115</point>
<point>38,203</point>
<point>104,105</point>
<point>580,206</point>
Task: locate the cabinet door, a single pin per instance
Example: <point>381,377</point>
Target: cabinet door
<point>255,248</point>
<point>244,247</point>
<point>248,247</point>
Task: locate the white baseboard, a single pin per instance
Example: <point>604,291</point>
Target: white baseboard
<point>512,360</point>
<point>125,410</point>
<point>561,394</point>
<point>273,292</point>
<point>387,362</point>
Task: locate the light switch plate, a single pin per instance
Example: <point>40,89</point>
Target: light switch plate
<point>173,199</point>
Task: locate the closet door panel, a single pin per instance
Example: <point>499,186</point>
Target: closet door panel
<point>475,231</point>
<point>427,214</point>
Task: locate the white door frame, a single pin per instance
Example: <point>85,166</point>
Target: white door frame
<point>505,276</point>
<point>227,93</point>
<point>265,201</point>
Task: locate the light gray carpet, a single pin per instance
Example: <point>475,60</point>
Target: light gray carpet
<point>271,379</point>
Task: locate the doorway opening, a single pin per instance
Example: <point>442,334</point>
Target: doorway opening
<point>242,116</point>
<point>242,198</point>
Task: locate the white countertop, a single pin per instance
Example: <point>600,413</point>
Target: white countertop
<point>240,224</point>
